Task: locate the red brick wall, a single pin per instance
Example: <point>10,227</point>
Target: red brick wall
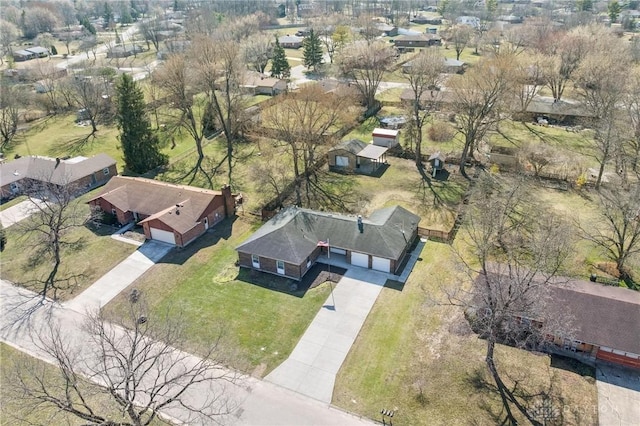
<point>269,265</point>
<point>190,235</point>
<point>618,359</point>
<point>122,217</point>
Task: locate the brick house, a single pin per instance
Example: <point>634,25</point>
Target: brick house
<point>288,244</point>
<point>81,174</point>
<point>175,214</point>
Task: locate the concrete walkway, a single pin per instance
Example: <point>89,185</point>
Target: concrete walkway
<point>116,280</point>
<point>618,396</point>
<point>253,402</point>
<point>15,214</point>
<point>312,366</point>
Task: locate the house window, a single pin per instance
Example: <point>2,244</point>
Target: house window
<point>105,171</point>
<point>114,212</point>
<point>308,263</point>
<point>255,261</point>
<point>280,266</point>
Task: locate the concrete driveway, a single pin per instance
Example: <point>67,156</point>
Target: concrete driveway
<point>20,211</point>
<point>618,396</point>
<point>116,280</point>
<point>312,366</point>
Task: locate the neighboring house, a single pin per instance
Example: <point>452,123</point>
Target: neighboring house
<point>386,137</point>
<point>39,51</point>
<point>175,214</point>
<point>80,173</point>
<point>603,321</point>
<point>511,19</point>
<point>450,66</point>
<point>389,30</point>
<point>290,42</point>
<point>260,84</point>
<point>288,244</point>
<point>563,111</point>
<point>171,47</point>
<point>356,156</point>
<point>23,55</point>
<point>422,40</point>
<point>124,51</point>
<point>471,21</point>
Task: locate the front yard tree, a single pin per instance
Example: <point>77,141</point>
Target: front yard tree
<point>516,254</point>
<point>632,105</point>
<point>613,10</point>
<point>424,77</point>
<point>312,50</point>
<point>459,36</point>
<point>11,99</point>
<point>56,213</point>
<point>128,372</point>
<point>479,99</point>
<point>365,63</point>
<point>258,50</point>
<point>618,232</point>
<point>9,33</point>
<point>140,145</point>
<point>280,67</point>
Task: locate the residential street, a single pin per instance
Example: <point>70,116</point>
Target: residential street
<point>254,402</point>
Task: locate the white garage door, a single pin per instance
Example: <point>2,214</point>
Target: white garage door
<point>162,235</point>
<point>380,264</point>
<point>338,250</point>
<point>359,259</point>
<point>342,161</point>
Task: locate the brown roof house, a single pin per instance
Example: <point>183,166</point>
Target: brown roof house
<point>174,214</point>
<point>356,156</point>
<point>290,242</point>
<point>81,174</point>
<point>260,84</point>
<point>290,42</point>
<point>421,40</point>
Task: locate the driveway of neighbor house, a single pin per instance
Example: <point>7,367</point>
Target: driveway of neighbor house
<point>15,214</point>
<point>618,396</point>
<point>120,277</point>
<point>312,366</point>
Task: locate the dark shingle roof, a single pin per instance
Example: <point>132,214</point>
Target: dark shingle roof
<point>353,146</point>
<point>292,234</point>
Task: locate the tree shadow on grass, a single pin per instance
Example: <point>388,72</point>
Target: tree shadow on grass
<point>73,146</point>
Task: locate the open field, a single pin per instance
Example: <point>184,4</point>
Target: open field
<point>92,254</point>
<point>421,359</point>
<point>259,315</point>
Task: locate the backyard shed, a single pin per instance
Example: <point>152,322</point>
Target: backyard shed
<point>356,156</point>
<point>386,137</point>
<point>436,161</point>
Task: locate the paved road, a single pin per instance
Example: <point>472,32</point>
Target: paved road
<point>15,214</point>
<point>120,277</point>
<point>254,402</point>
<point>618,396</point>
<point>312,366</point>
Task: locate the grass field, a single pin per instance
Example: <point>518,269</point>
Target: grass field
<point>261,318</point>
<point>420,358</point>
<point>12,202</point>
<point>93,254</point>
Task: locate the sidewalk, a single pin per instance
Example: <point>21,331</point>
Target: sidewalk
<point>119,278</point>
<point>16,213</point>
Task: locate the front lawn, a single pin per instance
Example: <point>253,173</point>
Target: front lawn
<point>421,359</point>
<point>93,254</point>
<point>261,324</point>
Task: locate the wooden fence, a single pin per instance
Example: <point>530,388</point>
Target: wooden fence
<point>435,234</point>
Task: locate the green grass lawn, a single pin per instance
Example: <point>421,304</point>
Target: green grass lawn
<point>94,254</point>
<point>419,358</point>
<point>262,324</point>
<point>12,202</point>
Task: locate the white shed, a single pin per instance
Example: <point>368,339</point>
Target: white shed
<point>386,137</point>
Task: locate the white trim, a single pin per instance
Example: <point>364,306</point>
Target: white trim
<point>255,261</point>
<point>278,268</point>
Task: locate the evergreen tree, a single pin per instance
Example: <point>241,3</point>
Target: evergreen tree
<point>107,15</point>
<point>614,9</point>
<point>312,50</point>
<point>140,144</point>
<point>279,64</point>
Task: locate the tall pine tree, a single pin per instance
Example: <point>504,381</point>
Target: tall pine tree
<point>140,144</point>
<point>312,50</point>
<point>279,64</point>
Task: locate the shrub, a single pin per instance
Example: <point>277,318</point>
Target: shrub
<point>441,132</point>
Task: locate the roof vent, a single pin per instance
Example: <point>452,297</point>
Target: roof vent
<point>360,224</point>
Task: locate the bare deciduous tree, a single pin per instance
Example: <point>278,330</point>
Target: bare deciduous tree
<point>425,77</point>
<point>618,233</point>
<point>516,254</point>
<point>365,64</point>
<point>480,99</point>
<point>8,34</point>
<point>11,99</point>
<point>459,36</point>
<point>55,214</point>
<point>127,373</point>
<point>562,63</point>
<point>258,50</point>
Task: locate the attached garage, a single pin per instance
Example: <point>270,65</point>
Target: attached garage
<point>380,264</point>
<point>162,235</point>
<point>360,259</point>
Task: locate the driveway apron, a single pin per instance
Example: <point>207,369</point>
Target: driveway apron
<point>116,280</point>
<point>618,396</point>
<point>312,366</point>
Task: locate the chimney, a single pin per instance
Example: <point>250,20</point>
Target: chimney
<point>229,201</point>
<point>360,224</point>
<point>57,161</point>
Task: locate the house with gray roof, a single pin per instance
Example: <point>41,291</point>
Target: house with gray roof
<point>290,42</point>
<point>80,174</point>
<point>290,242</point>
<point>356,156</point>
